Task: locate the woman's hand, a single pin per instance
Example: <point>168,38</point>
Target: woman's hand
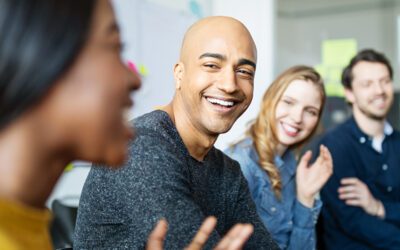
<point>310,179</point>
<point>233,240</point>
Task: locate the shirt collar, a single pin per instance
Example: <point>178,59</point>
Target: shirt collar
<point>388,129</point>
<point>363,137</point>
<point>288,159</point>
<point>286,162</point>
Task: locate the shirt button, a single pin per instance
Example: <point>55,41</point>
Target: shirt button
<point>290,222</point>
<point>384,167</point>
<point>362,139</point>
<point>273,209</point>
<point>389,189</point>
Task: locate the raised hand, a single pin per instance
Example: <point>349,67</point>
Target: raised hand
<point>310,179</point>
<point>157,236</point>
<point>233,240</point>
<point>356,193</point>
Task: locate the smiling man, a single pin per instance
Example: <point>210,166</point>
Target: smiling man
<point>174,171</point>
<point>361,199</point>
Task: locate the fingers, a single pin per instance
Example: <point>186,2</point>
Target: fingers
<point>326,163</point>
<point>350,188</point>
<point>347,189</point>
<point>241,239</point>
<point>157,236</point>
<point>324,157</point>
<point>202,235</point>
<point>305,159</point>
<point>353,202</point>
<point>229,237</point>
<point>350,194</point>
<point>350,181</point>
<point>327,155</point>
<point>352,191</point>
<point>236,237</point>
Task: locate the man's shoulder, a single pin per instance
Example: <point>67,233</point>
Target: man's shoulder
<point>338,134</point>
<point>396,135</point>
<point>157,143</point>
<point>155,128</point>
<point>154,121</point>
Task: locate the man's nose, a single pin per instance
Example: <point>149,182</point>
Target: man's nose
<point>227,81</point>
<point>378,88</point>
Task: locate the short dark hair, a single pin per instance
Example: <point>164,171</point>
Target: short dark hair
<point>368,55</point>
<point>40,40</point>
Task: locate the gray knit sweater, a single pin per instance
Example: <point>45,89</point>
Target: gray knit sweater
<point>119,208</point>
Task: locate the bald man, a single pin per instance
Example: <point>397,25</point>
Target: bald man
<point>174,171</point>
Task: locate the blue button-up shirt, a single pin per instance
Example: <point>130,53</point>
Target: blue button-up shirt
<point>377,164</point>
<point>291,224</point>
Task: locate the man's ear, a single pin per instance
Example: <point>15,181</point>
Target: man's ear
<point>348,93</point>
<point>178,74</point>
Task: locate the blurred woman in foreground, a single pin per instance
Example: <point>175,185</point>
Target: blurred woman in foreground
<point>63,94</point>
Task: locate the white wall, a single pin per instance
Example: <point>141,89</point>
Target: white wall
<point>301,30</point>
<point>259,18</point>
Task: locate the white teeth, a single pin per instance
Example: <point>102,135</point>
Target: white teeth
<point>220,102</point>
<point>379,101</point>
<point>290,128</point>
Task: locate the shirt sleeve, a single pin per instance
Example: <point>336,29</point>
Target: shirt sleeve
<point>245,211</point>
<point>303,234</point>
<point>392,213</point>
<point>353,221</point>
<point>244,161</point>
<point>304,220</point>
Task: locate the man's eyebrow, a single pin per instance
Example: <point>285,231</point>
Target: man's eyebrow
<point>244,61</point>
<point>213,55</point>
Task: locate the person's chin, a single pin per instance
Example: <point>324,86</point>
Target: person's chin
<point>116,155</point>
<point>220,127</point>
<point>288,140</point>
<point>116,161</point>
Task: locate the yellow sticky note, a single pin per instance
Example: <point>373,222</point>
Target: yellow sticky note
<point>143,70</point>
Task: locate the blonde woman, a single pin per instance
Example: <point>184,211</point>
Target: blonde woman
<point>284,190</point>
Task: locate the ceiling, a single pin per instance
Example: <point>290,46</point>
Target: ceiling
<point>307,8</point>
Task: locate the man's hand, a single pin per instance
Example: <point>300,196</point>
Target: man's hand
<point>157,236</point>
<point>355,193</point>
<point>310,179</point>
<point>233,240</point>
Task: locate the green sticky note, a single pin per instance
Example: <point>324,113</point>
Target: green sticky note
<point>338,52</point>
<point>321,69</point>
<point>334,89</point>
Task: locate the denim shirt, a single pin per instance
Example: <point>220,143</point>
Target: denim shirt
<point>291,224</point>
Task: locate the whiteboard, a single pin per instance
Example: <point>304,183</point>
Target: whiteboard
<point>152,34</point>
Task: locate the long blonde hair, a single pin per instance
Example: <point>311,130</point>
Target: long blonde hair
<point>263,130</point>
